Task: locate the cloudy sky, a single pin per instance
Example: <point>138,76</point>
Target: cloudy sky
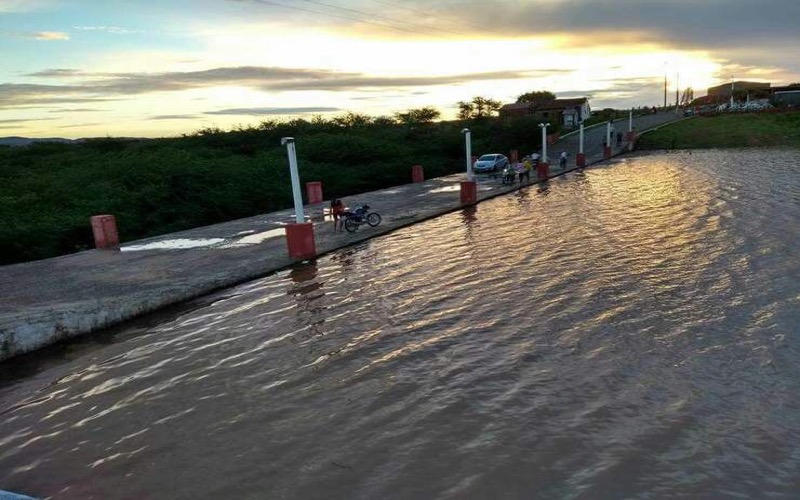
<point>160,68</point>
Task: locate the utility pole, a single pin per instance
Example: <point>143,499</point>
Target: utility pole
<point>665,90</point>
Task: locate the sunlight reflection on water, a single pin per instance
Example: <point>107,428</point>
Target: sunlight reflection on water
<point>624,332</point>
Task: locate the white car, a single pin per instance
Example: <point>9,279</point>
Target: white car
<point>490,163</point>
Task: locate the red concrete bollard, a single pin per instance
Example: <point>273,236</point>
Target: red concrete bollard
<point>314,192</point>
<point>104,228</point>
<point>580,160</point>
<point>607,152</point>
<point>469,192</point>
<point>543,170</point>
<point>300,241</point>
<point>513,156</point>
<point>417,173</point>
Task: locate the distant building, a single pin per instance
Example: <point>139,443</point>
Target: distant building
<point>788,88</point>
<point>566,112</point>
<point>786,96</point>
<point>722,93</point>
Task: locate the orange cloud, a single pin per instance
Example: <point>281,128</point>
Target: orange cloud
<point>51,35</point>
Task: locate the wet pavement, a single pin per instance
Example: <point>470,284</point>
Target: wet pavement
<point>49,300</point>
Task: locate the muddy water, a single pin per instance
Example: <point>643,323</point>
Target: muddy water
<point>626,332</point>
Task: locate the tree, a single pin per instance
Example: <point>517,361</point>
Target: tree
<point>478,107</point>
<point>351,119</point>
<point>536,96</point>
<point>428,114</point>
<point>466,110</point>
<point>384,121</point>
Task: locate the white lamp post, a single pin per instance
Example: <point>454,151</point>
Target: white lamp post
<point>544,126</point>
<point>580,160</point>
<point>468,145</point>
<point>298,198</point>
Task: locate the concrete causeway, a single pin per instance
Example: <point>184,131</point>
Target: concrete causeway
<point>45,301</point>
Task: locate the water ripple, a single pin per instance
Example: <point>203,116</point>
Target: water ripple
<point>625,332</point>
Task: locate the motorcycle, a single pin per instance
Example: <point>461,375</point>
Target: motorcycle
<point>360,215</point>
<point>509,175</point>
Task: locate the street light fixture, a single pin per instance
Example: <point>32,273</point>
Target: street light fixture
<point>544,126</point>
<point>580,160</point>
<point>298,198</point>
<point>468,146</point>
<point>300,239</point>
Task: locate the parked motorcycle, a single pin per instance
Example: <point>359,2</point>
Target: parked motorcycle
<point>360,215</point>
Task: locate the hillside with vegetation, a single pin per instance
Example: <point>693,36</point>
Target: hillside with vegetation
<point>49,191</point>
<point>727,131</point>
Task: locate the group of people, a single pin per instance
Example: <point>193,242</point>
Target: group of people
<point>528,163</point>
<point>523,168</point>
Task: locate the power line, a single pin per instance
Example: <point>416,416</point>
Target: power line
<point>436,16</point>
<point>339,16</point>
<point>375,16</point>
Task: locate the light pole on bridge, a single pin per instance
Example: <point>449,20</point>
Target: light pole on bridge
<point>300,235</point>
<point>469,188</point>
<point>468,148</point>
<point>543,170</point>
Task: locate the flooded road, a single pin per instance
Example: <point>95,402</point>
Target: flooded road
<point>626,332</point>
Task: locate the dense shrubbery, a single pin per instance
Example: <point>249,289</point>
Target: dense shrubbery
<point>49,190</point>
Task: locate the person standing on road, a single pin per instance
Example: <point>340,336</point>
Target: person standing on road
<point>562,160</point>
<point>521,171</point>
<point>337,211</point>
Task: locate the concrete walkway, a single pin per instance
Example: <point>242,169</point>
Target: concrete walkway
<point>45,301</point>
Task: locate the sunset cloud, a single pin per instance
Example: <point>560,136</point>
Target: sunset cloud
<point>98,87</point>
<point>152,65</point>
<point>272,111</point>
<point>116,30</point>
<point>51,35</point>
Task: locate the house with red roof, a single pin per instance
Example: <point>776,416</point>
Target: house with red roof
<point>566,112</point>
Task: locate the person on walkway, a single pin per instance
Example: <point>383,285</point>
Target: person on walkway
<point>337,211</point>
<point>562,160</point>
<point>524,171</point>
